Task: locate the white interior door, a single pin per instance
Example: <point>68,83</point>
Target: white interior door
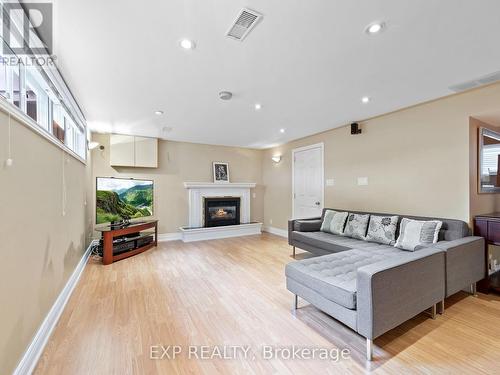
<point>308,181</point>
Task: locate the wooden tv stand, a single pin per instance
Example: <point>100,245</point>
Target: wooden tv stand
<point>109,233</point>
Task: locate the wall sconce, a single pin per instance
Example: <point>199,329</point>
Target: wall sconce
<point>94,145</point>
<point>276,158</point>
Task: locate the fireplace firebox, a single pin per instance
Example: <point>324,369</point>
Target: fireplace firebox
<point>222,211</point>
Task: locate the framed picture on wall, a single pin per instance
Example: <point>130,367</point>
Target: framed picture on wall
<point>221,172</point>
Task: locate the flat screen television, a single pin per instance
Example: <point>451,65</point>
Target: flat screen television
<point>119,199</point>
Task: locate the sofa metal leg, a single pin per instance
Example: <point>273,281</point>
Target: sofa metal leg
<point>433,311</point>
<point>441,307</point>
<point>293,252</point>
<point>295,302</point>
<point>473,289</point>
<point>369,349</point>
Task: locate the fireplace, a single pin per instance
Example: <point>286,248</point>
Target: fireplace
<point>221,211</point>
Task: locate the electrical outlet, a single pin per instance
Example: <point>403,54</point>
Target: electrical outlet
<point>270,221</point>
<point>254,195</point>
<point>362,181</point>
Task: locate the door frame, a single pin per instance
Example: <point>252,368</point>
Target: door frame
<point>321,146</point>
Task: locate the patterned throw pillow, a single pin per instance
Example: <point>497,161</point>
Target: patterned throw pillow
<point>414,233</point>
<point>333,222</point>
<point>356,226</point>
<point>382,229</point>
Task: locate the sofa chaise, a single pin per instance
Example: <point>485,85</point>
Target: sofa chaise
<point>373,287</point>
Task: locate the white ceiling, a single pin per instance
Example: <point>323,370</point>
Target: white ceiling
<point>308,63</point>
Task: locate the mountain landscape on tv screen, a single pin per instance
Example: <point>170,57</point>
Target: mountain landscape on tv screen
<point>124,203</point>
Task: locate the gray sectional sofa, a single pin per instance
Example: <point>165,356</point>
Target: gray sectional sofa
<point>373,287</point>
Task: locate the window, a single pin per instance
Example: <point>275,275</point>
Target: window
<point>40,93</point>
<point>9,80</point>
<point>37,98</point>
<point>69,132</point>
<point>58,128</point>
<point>16,86</point>
<point>74,135</point>
<point>42,104</point>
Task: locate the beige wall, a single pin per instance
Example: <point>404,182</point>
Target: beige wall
<point>179,162</point>
<point>416,161</point>
<point>40,247</point>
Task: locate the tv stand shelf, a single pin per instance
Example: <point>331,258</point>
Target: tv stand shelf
<point>110,233</point>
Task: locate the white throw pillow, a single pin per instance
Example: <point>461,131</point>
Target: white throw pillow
<point>415,233</point>
<point>334,222</point>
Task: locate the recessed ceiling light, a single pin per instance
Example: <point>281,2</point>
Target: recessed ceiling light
<point>375,28</point>
<point>158,113</point>
<point>187,44</point>
<point>282,130</point>
<point>225,95</point>
<point>258,106</point>
<point>365,99</point>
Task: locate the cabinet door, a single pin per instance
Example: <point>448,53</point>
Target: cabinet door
<point>122,150</point>
<point>146,152</point>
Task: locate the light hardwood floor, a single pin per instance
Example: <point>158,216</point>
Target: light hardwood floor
<point>232,292</point>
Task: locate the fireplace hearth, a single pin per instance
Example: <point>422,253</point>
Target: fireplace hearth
<point>221,211</point>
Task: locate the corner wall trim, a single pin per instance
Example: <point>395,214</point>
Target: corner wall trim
<point>35,349</point>
<point>175,236</point>
<point>276,231</point>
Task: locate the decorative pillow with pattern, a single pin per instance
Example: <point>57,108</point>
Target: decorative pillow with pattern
<point>414,234</point>
<point>356,226</point>
<point>334,222</point>
<point>382,229</point>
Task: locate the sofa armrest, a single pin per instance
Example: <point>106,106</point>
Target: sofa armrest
<point>395,290</point>
<point>465,262</point>
<point>309,225</point>
<point>303,225</point>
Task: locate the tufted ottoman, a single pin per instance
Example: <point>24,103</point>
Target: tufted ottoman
<point>333,276</point>
<point>371,290</point>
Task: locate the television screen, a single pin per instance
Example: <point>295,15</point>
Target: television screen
<point>122,199</point>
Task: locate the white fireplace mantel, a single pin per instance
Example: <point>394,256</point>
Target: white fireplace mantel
<point>220,185</point>
<point>200,190</point>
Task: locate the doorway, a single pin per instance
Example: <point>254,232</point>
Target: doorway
<point>308,181</point>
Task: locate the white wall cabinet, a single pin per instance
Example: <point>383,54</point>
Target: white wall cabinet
<point>132,151</point>
<point>146,152</point>
<point>122,150</point>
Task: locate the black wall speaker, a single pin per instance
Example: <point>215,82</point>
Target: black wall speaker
<point>355,128</point>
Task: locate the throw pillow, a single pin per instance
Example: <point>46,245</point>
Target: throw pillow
<point>382,229</point>
<point>327,219</point>
<point>356,226</point>
<point>333,222</point>
<point>414,234</point>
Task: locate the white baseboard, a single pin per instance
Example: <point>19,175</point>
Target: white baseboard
<point>34,351</point>
<point>276,231</point>
<point>176,236</point>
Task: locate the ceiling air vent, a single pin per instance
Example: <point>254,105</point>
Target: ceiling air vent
<point>484,80</point>
<point>246,21</point>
